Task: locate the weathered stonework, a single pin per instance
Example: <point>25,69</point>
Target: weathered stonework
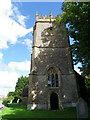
<point>51,53</point>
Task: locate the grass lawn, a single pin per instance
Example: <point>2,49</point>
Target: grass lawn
<point>19,111</point>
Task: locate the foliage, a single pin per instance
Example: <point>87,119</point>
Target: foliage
<point>6,101</point>
<point>11,94</point>
<point>87,84</point>
<point>20,85</point>
<point>77,16</point>
<point>87,81</point>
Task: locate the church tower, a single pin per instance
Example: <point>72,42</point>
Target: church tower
<point>52,78</point>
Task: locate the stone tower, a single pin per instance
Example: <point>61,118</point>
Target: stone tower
<point>52,78</point>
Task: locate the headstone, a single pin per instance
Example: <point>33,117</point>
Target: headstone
<point>11,102</point>
<point>82,109</point>
<point>18,100</point>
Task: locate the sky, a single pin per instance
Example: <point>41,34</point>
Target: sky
<point>16,26</point>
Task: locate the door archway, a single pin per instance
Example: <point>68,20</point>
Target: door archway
<point>54,101</point>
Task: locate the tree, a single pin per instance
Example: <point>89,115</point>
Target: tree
<point>77,16</point>
<point>87,81</point>
<point>11,94</point>
<point>6,101</point>
<point>20,85</point>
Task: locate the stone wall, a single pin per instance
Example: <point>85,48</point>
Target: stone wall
<point>51,49</point>
<point>25,100</point>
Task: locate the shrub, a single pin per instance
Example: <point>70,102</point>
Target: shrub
<point>7,100</point>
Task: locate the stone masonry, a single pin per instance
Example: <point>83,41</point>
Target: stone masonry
<point>52,78</point>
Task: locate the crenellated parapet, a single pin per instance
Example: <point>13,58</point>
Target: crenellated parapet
<point>45,18</point>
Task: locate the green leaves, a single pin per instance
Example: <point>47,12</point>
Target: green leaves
<point>77,15</point>
<point>23,82</point>
<point>20,85</point>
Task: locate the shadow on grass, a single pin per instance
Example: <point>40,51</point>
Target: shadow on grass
<point>18,112</point>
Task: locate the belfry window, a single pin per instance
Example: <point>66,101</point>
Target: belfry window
<point>52,78</point>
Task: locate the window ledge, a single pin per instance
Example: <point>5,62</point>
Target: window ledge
<point>53,87</point>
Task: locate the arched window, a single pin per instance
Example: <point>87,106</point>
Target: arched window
<point>56,78</point>
<point>52,78</point>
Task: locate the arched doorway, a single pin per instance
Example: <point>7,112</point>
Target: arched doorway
<point>54,101</point>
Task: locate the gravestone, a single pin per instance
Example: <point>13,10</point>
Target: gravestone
<point>18,100</point>
<point>82,109</point>
<point>11,102</point>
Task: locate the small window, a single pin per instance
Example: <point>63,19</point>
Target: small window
<point>49,81</point>
<point>56,79</point>
<point>52,78</point>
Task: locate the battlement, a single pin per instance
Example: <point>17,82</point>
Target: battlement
<point>44,18</point>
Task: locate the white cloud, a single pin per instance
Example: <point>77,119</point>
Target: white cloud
<point>28,43</point>
<point>5,6</point>
<point>78,71</point>
<point>1,56</point>
<point>22,66</point>
<point>21,19</point>
<point>10,75</point>
<point>12,27</point>
<point>12,24</point>
<point>7,81</point>
<point>4,91</point>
